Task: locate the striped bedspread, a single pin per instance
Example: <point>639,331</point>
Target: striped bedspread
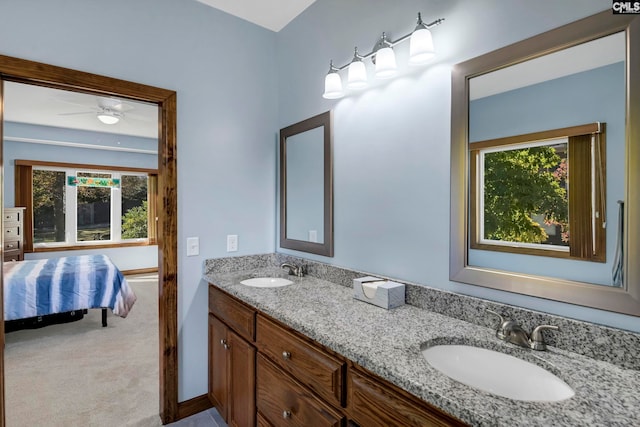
<point>39,287</point>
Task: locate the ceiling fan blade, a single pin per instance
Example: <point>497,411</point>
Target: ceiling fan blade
<point>140,117</point>
<point>78,113</point>
<point>114,104</point>
<point>75,99</point>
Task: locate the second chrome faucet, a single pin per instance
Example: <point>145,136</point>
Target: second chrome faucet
<point>294,270</point>
<point>512,332</point>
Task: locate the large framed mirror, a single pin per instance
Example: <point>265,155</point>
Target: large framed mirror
<point>306,189</point>
<point>545,166</point>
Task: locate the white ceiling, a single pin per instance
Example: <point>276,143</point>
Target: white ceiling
<point>52,107</point>
<point>271,14</point>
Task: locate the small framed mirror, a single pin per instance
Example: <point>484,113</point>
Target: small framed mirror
<point>306,186</point>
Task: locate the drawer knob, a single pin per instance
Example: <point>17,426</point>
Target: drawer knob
<point>224,344</point>
<point>286,414</point>
<point>286,355</point>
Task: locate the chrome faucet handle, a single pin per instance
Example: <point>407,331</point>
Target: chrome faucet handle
<point>301,271</point>
<point>500,330</point>
<point>536,341</point>
<point>292,268</point>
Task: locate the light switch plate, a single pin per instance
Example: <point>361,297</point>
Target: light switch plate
<point>232,243</point>
<point>193,246</point>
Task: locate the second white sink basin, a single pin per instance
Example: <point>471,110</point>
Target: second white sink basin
<point>266,282</point>
<point>497,373</point>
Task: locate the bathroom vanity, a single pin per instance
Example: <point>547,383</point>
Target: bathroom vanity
<point>321,355</point>
<point>294,379</point>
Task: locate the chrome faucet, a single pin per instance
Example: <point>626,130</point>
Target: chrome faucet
<point>293,269</point>
<point>513,333</point>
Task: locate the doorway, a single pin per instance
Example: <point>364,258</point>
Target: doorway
<point>29,72</point>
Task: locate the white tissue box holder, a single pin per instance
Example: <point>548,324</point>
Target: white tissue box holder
<point>387,294</point>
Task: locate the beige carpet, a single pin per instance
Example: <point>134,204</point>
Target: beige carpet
<point>81,374</point>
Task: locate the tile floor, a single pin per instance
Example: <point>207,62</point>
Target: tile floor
<point>208,418</point>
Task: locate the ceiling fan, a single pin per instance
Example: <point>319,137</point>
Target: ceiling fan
<point>108,110</point>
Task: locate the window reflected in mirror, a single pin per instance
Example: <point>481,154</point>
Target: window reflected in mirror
<point>523,201</point>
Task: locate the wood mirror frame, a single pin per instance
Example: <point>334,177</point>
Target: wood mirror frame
<point>34,73</point>
<point>622,300</point>
<point>326,247</point>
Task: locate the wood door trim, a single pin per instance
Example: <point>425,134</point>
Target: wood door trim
<point>35,73</point>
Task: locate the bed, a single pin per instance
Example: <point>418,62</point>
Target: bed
<point>35,288</point>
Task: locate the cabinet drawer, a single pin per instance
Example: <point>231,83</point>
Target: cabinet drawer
<point>11,232</point>
<point>238,316</point>
<point>12,216</point>
<point>284,402</point>
<point>12,246</point>
<point>372,404</point>
<point>309,364</point>
<point>261,421</point>
<point>12,256</point>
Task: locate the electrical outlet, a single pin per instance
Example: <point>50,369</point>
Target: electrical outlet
<point>232,243</point>
<point>193,246</point>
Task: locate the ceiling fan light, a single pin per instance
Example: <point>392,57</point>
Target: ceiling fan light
<point>108,118</point>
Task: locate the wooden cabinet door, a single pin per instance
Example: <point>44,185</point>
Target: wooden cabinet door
<point>242,385</point>
<point>218,366</point>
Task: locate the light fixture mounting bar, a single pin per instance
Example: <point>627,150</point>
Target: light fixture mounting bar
<point>391,43</point>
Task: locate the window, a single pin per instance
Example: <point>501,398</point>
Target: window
<point>48,206</point>
<point>540,194</point>
<point>80,205</point>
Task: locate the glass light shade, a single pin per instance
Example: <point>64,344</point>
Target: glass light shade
<point>108,119</point>
<point>421,47</point>
<point>332,86</point>
<point>357,78</point>
<point>385,63</point>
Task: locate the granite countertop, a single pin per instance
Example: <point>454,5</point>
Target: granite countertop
<point>389,343</point>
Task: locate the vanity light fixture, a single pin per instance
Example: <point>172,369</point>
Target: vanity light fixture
<point>109,117</point>
<point>357,78</point>
<point>385,59</point>
<point>421,50</point>
<point>333,83</point>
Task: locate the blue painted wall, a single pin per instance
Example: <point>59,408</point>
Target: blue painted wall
<point>224,72</point>
<point>591,96</point>
<point>392,141</point>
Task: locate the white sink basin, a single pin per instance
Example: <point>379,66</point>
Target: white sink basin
<point>497,373</point>
<point>266,282</point>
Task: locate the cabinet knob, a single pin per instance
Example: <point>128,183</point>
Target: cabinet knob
<point>224,344</point>
<point>286,414</point>
<point>286,355</point>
